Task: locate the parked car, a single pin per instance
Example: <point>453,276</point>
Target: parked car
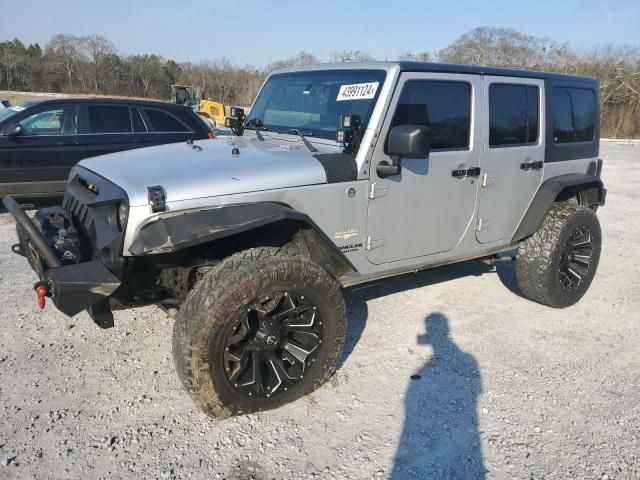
<point>41,140</point>
<point>341,174</point>
<point>4,103</point>
<point>206,118</point>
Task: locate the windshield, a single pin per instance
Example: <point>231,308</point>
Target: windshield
<point>313,102</point>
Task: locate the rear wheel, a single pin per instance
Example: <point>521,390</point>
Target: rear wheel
<point>556,265</point>
<point>261,329</point>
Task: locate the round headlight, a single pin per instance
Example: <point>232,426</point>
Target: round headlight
<point>123,211</point>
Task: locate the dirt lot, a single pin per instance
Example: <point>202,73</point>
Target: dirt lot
<point>507,388</point>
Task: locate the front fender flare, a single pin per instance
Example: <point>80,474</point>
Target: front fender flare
<point>172,232</point>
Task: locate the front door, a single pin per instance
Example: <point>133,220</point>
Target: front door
<point>39,160</point>
<point>429,206</point>
<point>514,158</point>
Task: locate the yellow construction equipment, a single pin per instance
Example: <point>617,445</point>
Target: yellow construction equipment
<point>214,109</point>
<point>190,96</point>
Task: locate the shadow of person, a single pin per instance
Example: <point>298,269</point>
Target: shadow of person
<point>440,437</point>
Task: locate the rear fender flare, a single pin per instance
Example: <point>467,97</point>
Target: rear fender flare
<point>588,188</point>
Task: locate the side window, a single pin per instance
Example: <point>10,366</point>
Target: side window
<point>163,122</point>
<point>574,115</point>
<point>443,106</point>
<point>136,119</point>
<point>56,121</point>
<point>513,114</point>
<point>109,119</point>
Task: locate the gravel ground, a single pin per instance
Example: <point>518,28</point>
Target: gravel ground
<point>507,388</point>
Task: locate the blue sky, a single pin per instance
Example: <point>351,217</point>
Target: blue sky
<point>258,32</point>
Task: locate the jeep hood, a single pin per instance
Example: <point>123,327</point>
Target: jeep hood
<point>208,168</point>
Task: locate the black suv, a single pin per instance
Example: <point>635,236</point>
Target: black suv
<point>41,140</point>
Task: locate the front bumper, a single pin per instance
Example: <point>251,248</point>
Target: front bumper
<point>72,288</point>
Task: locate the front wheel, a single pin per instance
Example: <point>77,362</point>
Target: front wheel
<point>556,265</point>
<point>261,329</point>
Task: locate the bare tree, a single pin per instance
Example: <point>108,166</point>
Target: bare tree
<point>11,57</point>
<point>99,51</point>
<point>503,47</point>
<point>149,72</point>
<point>65,52</point>
<point>91,64</point>
<point>351,56</point>
<point>300,58</point>
<point>417,57</point>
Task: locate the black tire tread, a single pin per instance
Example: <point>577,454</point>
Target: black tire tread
<point>537,255</point>
<point>225,283</point>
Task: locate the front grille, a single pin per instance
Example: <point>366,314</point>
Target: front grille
<point>76,208</point>
<point>94,211</point>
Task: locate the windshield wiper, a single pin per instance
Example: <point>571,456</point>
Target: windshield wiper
<point>256,123</point>
<point>303,136</point>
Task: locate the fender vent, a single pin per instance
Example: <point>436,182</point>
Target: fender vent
<point>88,185</point>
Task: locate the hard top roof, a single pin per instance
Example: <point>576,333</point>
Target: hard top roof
<point>482,70</point>
<point>441,68</point>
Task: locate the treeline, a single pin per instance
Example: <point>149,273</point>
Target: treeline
<point>92,64</point>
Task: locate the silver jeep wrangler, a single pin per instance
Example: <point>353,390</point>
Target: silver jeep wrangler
<point>338,175</point>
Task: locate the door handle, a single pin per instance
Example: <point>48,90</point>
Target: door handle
<point>470,172</point>
<point>67,143</point>
<point>139,140</point>
<point>537,165</point>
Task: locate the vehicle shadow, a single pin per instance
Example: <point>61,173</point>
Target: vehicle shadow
<point>357,297</point>
<point>440,438</point>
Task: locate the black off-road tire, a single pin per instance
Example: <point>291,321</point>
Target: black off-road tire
<point>206,320</point>
<point>540,257</point>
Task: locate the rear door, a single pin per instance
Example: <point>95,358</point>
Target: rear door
<point>38,161</point>
<point>514,154</point>
<point>107,129</point>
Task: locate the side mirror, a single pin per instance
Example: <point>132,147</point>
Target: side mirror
<point>409,141</point>
<point>15,130</point>
<point>405,141</point>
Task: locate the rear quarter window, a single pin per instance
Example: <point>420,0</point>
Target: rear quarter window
<point>164,122</point>
<point>574,115</point>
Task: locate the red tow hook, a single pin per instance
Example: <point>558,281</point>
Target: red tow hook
<point>42,291</point>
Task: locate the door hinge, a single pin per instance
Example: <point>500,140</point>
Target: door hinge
<point>482,224</point>
<point>378,189</point>
<point>486,180</point>
<point>373,242</point>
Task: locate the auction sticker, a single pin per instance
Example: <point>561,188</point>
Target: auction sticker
<point>358,91</point>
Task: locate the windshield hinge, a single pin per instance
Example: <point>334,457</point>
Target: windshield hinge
<point>374,242</point>
<point>378,189</point>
